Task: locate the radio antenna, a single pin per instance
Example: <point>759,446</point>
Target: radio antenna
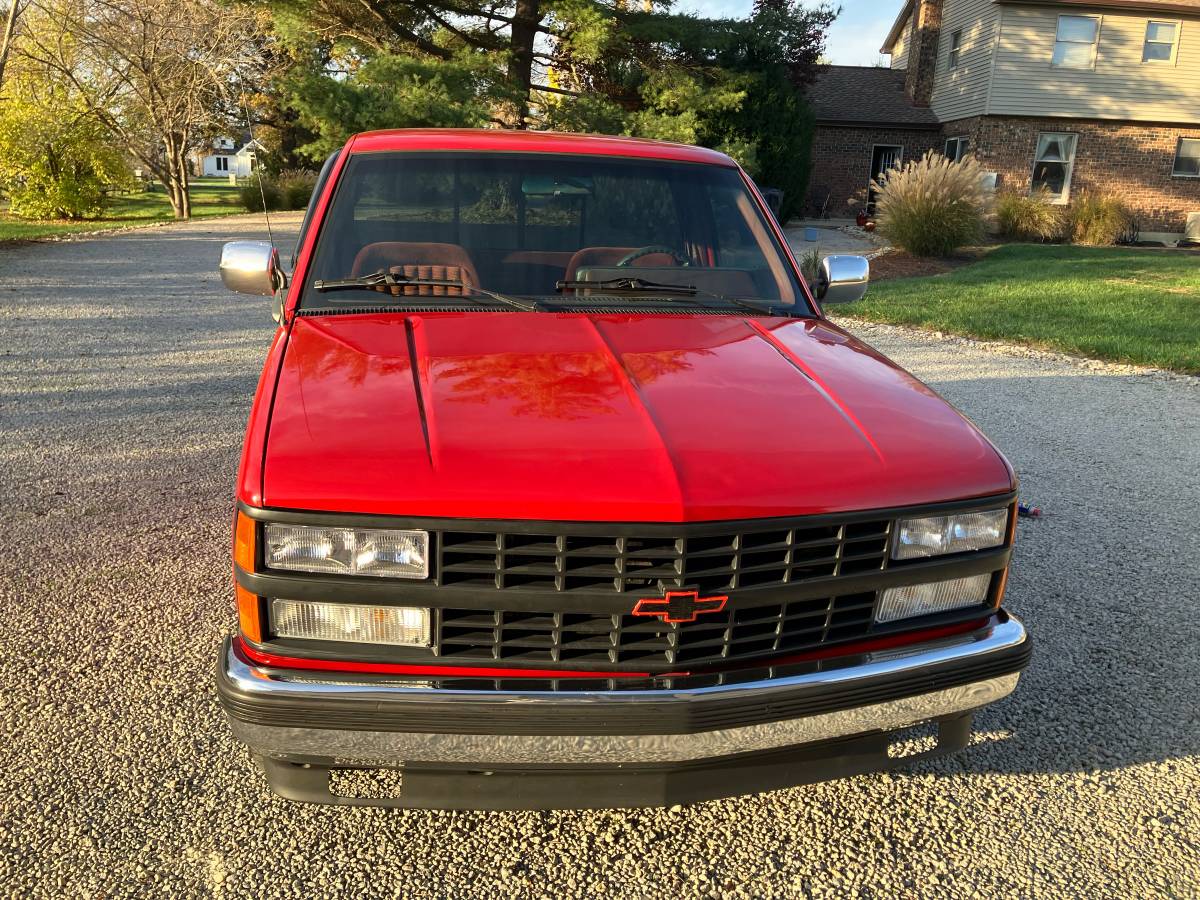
<point>262,191</point>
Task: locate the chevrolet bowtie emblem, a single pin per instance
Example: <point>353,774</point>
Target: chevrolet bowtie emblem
<point>679,606</point>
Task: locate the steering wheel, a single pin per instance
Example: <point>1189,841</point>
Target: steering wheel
<point>650,249</point>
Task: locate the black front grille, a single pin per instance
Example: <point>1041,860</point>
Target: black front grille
<point>710,560</point>
<point>557,638</point>
<point>561,595</point>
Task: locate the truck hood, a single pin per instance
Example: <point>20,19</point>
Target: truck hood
<point>576,417</point>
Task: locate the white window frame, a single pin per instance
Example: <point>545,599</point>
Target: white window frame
<point>954,52</point>
<point>899,158</point>
<point>958,140</point>
<point>1099,20</point>
<point>1175,173</point>
<point>220,160</point>
<point>871,177</point>
<point>1065,197</point>
<point>1177,24</point>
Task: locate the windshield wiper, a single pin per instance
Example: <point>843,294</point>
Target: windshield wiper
<point>628,286</point>
<point>685,293</point>
<point>389,280</point>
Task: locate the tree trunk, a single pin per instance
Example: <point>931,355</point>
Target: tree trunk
<point>6,41</point>
<point>176,177</point>
<point>524,31</point>
<point>181,177</point>
<point>185,183</point>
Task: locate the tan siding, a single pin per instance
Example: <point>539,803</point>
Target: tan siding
<point>901,47</point>
<point>1120,87</point>
<point>963,91</point>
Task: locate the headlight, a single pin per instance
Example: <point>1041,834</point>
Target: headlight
<point>378,552</point>
<point>936,597</point>
<point>405,626</point>
<point>958,533</point>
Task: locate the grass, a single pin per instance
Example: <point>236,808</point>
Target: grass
<point>1123,305</point>
<point>209,198</point>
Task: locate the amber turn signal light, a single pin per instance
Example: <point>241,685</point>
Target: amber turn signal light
<point>1001,586</point>
<point>243,554</point>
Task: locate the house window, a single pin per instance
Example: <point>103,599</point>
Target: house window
<point>955,50</point>
<point>1161,40</point>
<point>1053,164</point>
<point>1187,158</point>
<point>956,148</point>
<point>884,158</point>
<point>1076,42</point>
<point>222,163</point>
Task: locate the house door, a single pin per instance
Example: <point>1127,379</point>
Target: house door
<point>883,158</point>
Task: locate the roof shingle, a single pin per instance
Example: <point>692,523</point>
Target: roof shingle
<point>866,95</point>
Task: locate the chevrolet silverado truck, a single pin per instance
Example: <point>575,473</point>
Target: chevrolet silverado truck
<point>559,489</point>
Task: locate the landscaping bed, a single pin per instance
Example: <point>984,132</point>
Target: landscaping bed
<point>902,264</point>
<point>1135,306</point>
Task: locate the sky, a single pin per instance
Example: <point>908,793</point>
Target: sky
<point>854,39</point>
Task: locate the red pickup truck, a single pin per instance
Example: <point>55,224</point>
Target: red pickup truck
<point>560,490</point>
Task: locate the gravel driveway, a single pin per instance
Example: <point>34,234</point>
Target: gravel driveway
<point>125,382</point>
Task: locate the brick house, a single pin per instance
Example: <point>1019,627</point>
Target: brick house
<point>1067,95</point>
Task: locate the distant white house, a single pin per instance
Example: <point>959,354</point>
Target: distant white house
<point>226,158</point>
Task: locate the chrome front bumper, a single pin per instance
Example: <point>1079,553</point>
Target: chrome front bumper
<point>316,718</point>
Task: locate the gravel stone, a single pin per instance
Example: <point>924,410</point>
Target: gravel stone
<point>126,374</point>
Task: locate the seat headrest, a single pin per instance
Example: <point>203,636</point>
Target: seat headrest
<point>396,255</point>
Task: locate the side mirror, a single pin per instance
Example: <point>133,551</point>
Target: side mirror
<point>842,279</point>
<point>252,267</point>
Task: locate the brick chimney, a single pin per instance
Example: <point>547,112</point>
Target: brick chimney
<point>922,55</point>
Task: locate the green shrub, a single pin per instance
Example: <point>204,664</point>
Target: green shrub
<point>1098,220</point>
<point>251,195</point>
<point>932,206</point>
<point>297,186</point>
<point>810,264</point>
<point>56,160</point>
<point>1030,217</point>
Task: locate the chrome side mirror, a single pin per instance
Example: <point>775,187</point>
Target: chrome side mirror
<point>252,267</point>
<point>842,279</point>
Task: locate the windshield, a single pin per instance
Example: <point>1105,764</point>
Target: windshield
<point>546,228</point>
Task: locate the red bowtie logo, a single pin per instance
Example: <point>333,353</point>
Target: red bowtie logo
<point>679,606</point>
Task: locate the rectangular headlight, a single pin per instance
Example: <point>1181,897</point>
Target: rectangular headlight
<point>958,533</point>
<point>934,597</point>
<point>377,552</point>
<point>404,626</point>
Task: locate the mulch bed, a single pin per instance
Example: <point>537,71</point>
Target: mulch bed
<point>900,264</point>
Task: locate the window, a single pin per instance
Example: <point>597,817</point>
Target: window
<point>957,147</point>
<point>523,222</point>
<point>1187,158</point>
<point>222,163</point>
<point>1075,44</point>
<point>955,50</point>
<point>1053,164</point>
<point>1161,40</point>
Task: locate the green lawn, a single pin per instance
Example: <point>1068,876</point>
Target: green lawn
<point>209,198</point>
<point>1126,305</point>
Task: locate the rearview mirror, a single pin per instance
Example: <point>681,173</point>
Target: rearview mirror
<point>842,279</point>
<point>549,186</point>
<point>252,267</point>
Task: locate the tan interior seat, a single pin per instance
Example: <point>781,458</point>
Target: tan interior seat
<point>445,262</point>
